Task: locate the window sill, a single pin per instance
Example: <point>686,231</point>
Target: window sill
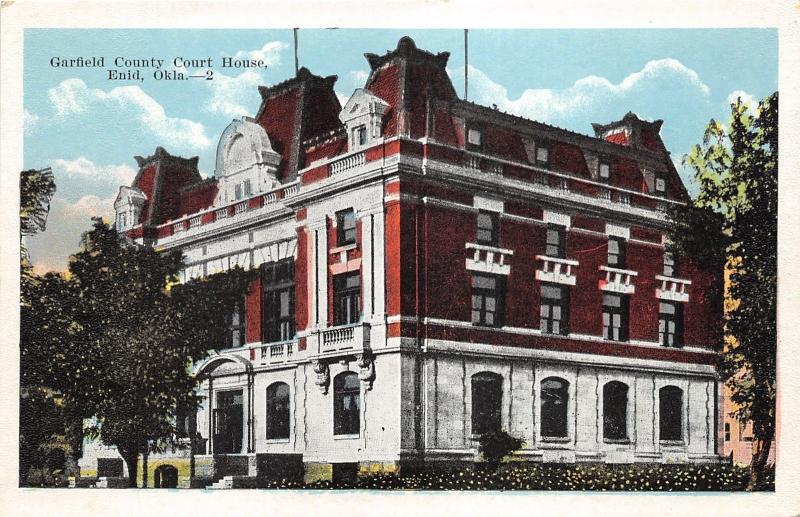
<point>556,439</point>
<point>277,440</point>
<point>346,436</point>
<point>344,247</point>
<point>672,443</point>
<point>617,441</point>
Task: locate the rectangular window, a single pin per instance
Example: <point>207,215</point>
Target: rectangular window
<point>661,186</point>
<point>277,288</point>
<point>360,136</point>
<point>474,138</point>
<point>605,172</point>
<point>542,154</point>
<point>487,300</point>
<point>669,264</point>
<point>616,252</point>
<point>554,309</point>
<point>488,228</point>
<point>727,431</point>
<point>345,227</point>
<point>248,189</point>
<point>615,317</point>
<point>238,192</point>
<point>346,298</point>
<point>234,321</point>
<point>556,241</point>
<point>670,324</point>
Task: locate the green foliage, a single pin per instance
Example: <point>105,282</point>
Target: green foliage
<point>47,437</point>
<point>735,218</point>
<point>119,342</point>
<point>36,188</point>
<point>497,445</point>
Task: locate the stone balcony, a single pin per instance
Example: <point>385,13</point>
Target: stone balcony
<point>488,259</point>
<point>617,280</point>
<point>340,340</point>
<point>672,289</point>
<point>556,270</point>
<point>348,162</point>
<point>278,353</point>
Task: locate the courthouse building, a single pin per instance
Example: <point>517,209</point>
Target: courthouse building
<point>432,270</point>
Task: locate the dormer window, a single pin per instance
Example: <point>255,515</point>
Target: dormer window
<point>604,171</point>
<point>661,187</point>
<point>362,117</point>
<point>474,138</point>
<point>542,153</point>
<point>360,136</point>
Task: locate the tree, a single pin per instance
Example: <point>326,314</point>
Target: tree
<point>734,220</point>
<point>122,336</point>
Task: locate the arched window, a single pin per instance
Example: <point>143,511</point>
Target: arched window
<point>615,411</point>
<point>346,403</point>
<point>554,404</point>
<point>278,410</point>
<point>487,398</point>
<point>670,407</point>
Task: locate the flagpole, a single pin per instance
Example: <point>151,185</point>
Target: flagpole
<point>466,63</point>
<point>296,62</point>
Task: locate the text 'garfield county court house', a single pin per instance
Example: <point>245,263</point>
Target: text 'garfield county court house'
<point>432,270</point>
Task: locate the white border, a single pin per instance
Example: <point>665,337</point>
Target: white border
<point>454,14</point>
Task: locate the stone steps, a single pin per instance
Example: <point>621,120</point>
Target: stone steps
<point>233,482</point>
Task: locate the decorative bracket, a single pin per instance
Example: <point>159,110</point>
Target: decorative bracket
<point>366,369</point>
<point>323,375</point>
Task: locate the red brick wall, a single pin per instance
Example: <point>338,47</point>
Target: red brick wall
<point>252,310</point>
<point>586,300</point>
<point>278,119</point>
<point>385,85</point>
<point>448,281</point>
<point>392,239</point>
<point>198,198</point>
<point>522,288</point>
<point>626,174</point>
<point>648,261</point>
<point>301,280</point>
<point>702,315</point>
<point>146,183</point>
<point>569,158</point>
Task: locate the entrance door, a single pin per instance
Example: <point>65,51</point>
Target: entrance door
<point>228,423</point>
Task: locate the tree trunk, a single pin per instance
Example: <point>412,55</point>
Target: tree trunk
<point>759,464</point>
<point>145,456</point>
<point>131,457</point>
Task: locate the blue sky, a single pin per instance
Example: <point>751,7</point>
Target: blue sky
<point>88,128</point>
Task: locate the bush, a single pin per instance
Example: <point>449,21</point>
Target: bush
<point>497,445</point>
<point>553,477</point>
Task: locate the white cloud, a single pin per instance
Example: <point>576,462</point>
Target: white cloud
<point>66,222</point>
<point>588,92</point>
<point>747,99</point>
<point>29,121</point>
<point>234,96</point>
<point>358,77</point>
<point>83,169</point>
<point>270,53</point>
<point>342,98</point>
<point>73,97</point>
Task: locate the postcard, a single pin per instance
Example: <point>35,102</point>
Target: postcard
<point>488,266</point>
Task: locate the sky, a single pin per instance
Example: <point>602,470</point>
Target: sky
<point>87,128</point>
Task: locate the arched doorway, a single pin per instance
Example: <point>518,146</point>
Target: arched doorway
<point>166,476</point>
